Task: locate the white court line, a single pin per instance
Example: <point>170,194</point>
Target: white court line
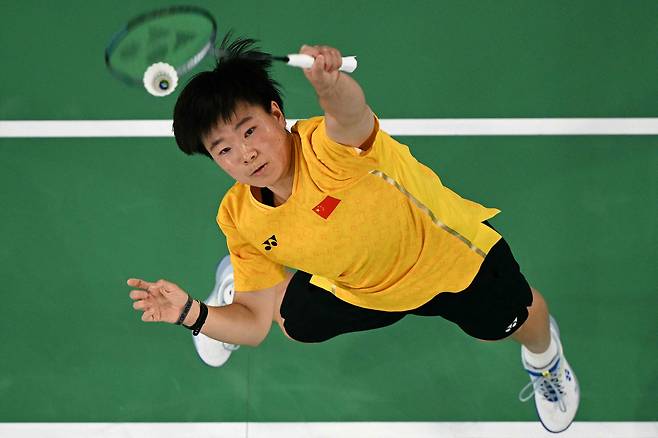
<point>415,127</point>
<point>327,430</point>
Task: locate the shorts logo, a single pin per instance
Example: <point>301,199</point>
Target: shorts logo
<point>326,207</point>
<point>512,325</point>
<point>269,243</point>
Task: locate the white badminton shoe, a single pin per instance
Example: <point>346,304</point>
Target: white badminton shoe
<point>213,352</point>
<point>555,389</point>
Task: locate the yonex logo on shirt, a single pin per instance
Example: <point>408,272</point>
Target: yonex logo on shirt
<point>270,242</point>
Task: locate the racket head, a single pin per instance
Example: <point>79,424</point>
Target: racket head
<point>180,36</point>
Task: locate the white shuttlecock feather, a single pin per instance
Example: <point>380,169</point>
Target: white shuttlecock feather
<point>160,79</point>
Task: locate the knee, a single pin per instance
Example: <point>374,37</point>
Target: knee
<point>538,302</point>
<point>281,321</point>
<point>301,333</point>
<point>295,334</point>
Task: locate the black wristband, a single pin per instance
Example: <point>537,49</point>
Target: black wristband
<point>186,310</point>
<point>203,313</point>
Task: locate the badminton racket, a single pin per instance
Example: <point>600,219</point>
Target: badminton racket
<point>156,48</point>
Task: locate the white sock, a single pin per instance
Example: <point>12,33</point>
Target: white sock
<point>540,360</point>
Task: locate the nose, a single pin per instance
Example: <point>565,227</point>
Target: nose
<point>248,154</point>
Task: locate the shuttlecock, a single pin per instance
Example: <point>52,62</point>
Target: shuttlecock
<point>160,79</point>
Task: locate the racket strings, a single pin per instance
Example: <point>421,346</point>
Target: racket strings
<point>178,36</point>
<point>129,51</point>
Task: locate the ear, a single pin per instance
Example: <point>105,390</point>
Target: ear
<point>275,110</point>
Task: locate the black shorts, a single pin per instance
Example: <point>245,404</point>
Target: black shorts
<point>492,307</point>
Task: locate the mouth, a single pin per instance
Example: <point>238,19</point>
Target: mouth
<point>258,170</point>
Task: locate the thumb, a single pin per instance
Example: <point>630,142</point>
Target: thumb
<point>173,293</point>
<point>168,287</point>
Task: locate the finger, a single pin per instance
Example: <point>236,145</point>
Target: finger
<point>309,50</point>
<point>157,288</point>
<point>332,58</point>
<point>168,286</point>
<point>139,305</point>
<point>337,59</point>
<point>318,66</point>
<point>137,282</point>
<point>149,316</point>
<point>138,294</point>
<point>160,291</point>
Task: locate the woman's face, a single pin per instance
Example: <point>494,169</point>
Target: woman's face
<point>253,147</point>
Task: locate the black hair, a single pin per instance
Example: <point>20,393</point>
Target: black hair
<point>241,75</point>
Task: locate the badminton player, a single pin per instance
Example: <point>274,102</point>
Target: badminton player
<point>334,227</point>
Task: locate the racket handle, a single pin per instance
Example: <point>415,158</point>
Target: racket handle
<point>349,64</point>
<point>306,61</point>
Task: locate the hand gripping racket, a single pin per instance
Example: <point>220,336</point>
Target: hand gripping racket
<point>306,61</point>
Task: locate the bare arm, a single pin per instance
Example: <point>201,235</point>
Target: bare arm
<point>348,118</point>
<point>246,321</point>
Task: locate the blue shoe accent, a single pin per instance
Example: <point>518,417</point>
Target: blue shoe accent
<point>555,389</point>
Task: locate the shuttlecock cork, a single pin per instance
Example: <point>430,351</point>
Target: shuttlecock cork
<point>160,79</point>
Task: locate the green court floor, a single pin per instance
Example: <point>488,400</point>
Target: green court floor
<point>81,215</point>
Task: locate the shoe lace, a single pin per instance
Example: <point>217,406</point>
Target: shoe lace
<point>549,384</point>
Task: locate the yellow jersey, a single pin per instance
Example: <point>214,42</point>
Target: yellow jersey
<point>376,228</point>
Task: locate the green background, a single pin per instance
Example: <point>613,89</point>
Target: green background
<point>80,216</point>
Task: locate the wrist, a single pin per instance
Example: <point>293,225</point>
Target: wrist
<point>327,90</point>
<point>193,314</point>
<point>201,320</point>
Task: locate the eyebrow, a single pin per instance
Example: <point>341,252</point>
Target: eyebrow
<point>237,126</point>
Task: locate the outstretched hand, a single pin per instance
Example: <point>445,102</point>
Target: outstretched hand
<point>324,73</point>
<point>160,301</point>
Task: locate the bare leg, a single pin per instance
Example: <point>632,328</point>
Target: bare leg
<point>534,334</point>
<point>280,293</point>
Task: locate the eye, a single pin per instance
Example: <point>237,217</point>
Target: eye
<point>249,131</point>
<point>224,151</point>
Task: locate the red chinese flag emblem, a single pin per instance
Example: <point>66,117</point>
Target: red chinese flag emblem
<point>326,207</point>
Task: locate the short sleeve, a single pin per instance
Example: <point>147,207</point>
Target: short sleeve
<point>345,161</point>
<point>252,270</point>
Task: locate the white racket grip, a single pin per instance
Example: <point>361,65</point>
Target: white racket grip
<point>349,64</point>
<point>306,61</point>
